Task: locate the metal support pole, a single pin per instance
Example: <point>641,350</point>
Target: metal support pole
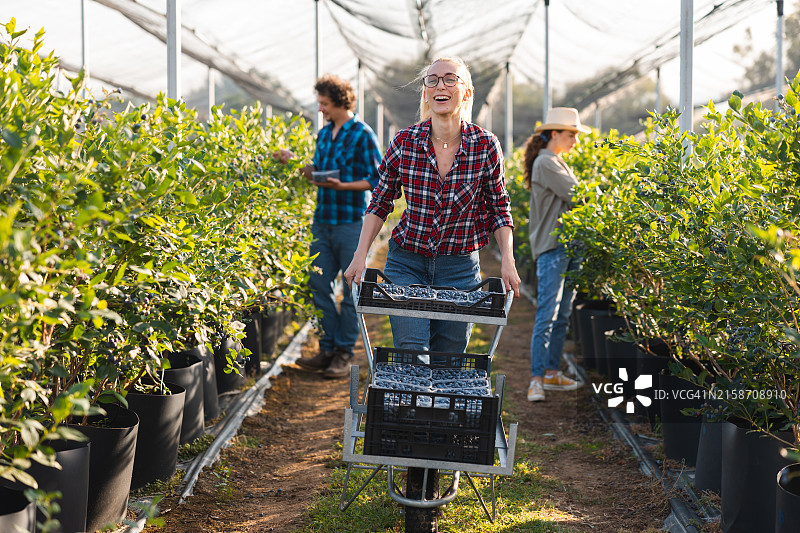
<point>686,51</point>
<point>546,100</point>
<point>84,45</point>
<point>658,90</point>
<point>598,116</point>
<point>211,92</point>
<point>379,124</point>
<point>487,121</point>
<point>509,148</point>
<point>268,111</point>
<point>317,58</point>
<point>174,49</point>
<point>779,54</point>
<point>360,91</point>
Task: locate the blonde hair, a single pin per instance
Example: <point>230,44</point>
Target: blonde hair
<point>466,106</point>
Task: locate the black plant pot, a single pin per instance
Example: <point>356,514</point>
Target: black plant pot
<point>585,311</point>
<point>234,378</point>
<point>787,500</point>
<point>681,432</point>
<point>113,448</point>
<point>252,341</point>
<point>187,371</point>
<point>620,355</point>
<point>708,468</point>
<point>16,512</point>
<point>600,324</point>
<point>71,480</point>
<point>574,331</point>
<point>750,464</point>
<point>269,333</point>
<point>210,395</point>
<point>651,364</point>
<point>160,419</point>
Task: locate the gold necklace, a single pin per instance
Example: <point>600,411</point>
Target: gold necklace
<point>444,143</point>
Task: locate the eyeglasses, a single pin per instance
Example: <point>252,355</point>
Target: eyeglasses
<point>432,80</point>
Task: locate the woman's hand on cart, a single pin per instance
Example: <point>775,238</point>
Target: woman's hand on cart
<point>355,271</point>
<point>511,278</point>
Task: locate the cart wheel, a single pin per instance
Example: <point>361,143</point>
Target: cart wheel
<point>420,520</point>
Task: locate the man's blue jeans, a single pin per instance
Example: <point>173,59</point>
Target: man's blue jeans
<point>458,271</point>
<point>554,307</point>
<point>335,244</point>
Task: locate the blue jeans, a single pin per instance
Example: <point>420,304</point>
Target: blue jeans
<point>554,307</point>
<point>335,244</point>
<point>458,271</point>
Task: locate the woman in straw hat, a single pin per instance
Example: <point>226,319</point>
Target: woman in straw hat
<point>452,174</point>
<point>550,181</point>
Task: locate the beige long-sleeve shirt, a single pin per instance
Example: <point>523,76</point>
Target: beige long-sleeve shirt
<point>551,195</point>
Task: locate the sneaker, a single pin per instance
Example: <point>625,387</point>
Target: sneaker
<point>318,363</point>
<point>535,391</point>
<point>339,366</point>
<point>559,381</point>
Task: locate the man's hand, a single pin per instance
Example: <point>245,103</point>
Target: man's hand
<point>283,155</point>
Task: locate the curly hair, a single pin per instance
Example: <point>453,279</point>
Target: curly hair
<point>338,90</point>
<point>535,142</point>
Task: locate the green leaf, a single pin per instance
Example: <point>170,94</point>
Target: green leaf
<point>12,139</point>
<point>735,102</point>
<point>121,236</point>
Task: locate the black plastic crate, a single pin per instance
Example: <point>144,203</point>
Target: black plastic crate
<point>373,295</point>
<point>453,360</point>
<point>431,425</point>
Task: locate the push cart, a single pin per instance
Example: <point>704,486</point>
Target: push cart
<point>428,432</point>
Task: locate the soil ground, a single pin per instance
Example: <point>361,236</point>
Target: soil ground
<point>281,460</point>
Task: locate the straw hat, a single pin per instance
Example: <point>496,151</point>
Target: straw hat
<point>563,118</point>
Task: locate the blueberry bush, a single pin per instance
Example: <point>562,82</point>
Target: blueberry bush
<point>126,236</point>
<point>690,234</point>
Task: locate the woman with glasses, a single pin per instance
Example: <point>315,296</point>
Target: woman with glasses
<point>453,177</point>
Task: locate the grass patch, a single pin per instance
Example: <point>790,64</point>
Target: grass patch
<point>523,504</point>
<point>159,487</point>
<point>190,450</point>
<point>245,441</point>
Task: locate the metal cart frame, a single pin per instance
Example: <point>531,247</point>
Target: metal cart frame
<point>355,415</point>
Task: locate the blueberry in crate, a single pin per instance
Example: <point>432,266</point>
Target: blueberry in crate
<point>459,384</point>
<point>452,296</point>
<point>421,292</point>
<point>477,391</point>
<point>440,374</point>
<point>386,384</point>
<point>403,379</point>
<point>398,292</point>
<point>441,402</point>
<point>401,386</point>
<point>477,296</point>
<point>404,368</point>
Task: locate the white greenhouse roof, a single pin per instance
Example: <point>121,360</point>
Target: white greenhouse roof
<point>268,46</point>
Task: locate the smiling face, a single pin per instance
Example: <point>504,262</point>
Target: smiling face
<point>444,100</point>
<point>331,112</point>
<point>447,101</point>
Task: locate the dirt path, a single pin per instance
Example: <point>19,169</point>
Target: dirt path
<point>282,457</point>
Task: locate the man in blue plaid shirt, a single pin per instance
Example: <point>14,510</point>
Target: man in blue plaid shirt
<point>349,146</point>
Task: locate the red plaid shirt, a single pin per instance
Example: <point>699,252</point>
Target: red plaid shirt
<point>450,216</point>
